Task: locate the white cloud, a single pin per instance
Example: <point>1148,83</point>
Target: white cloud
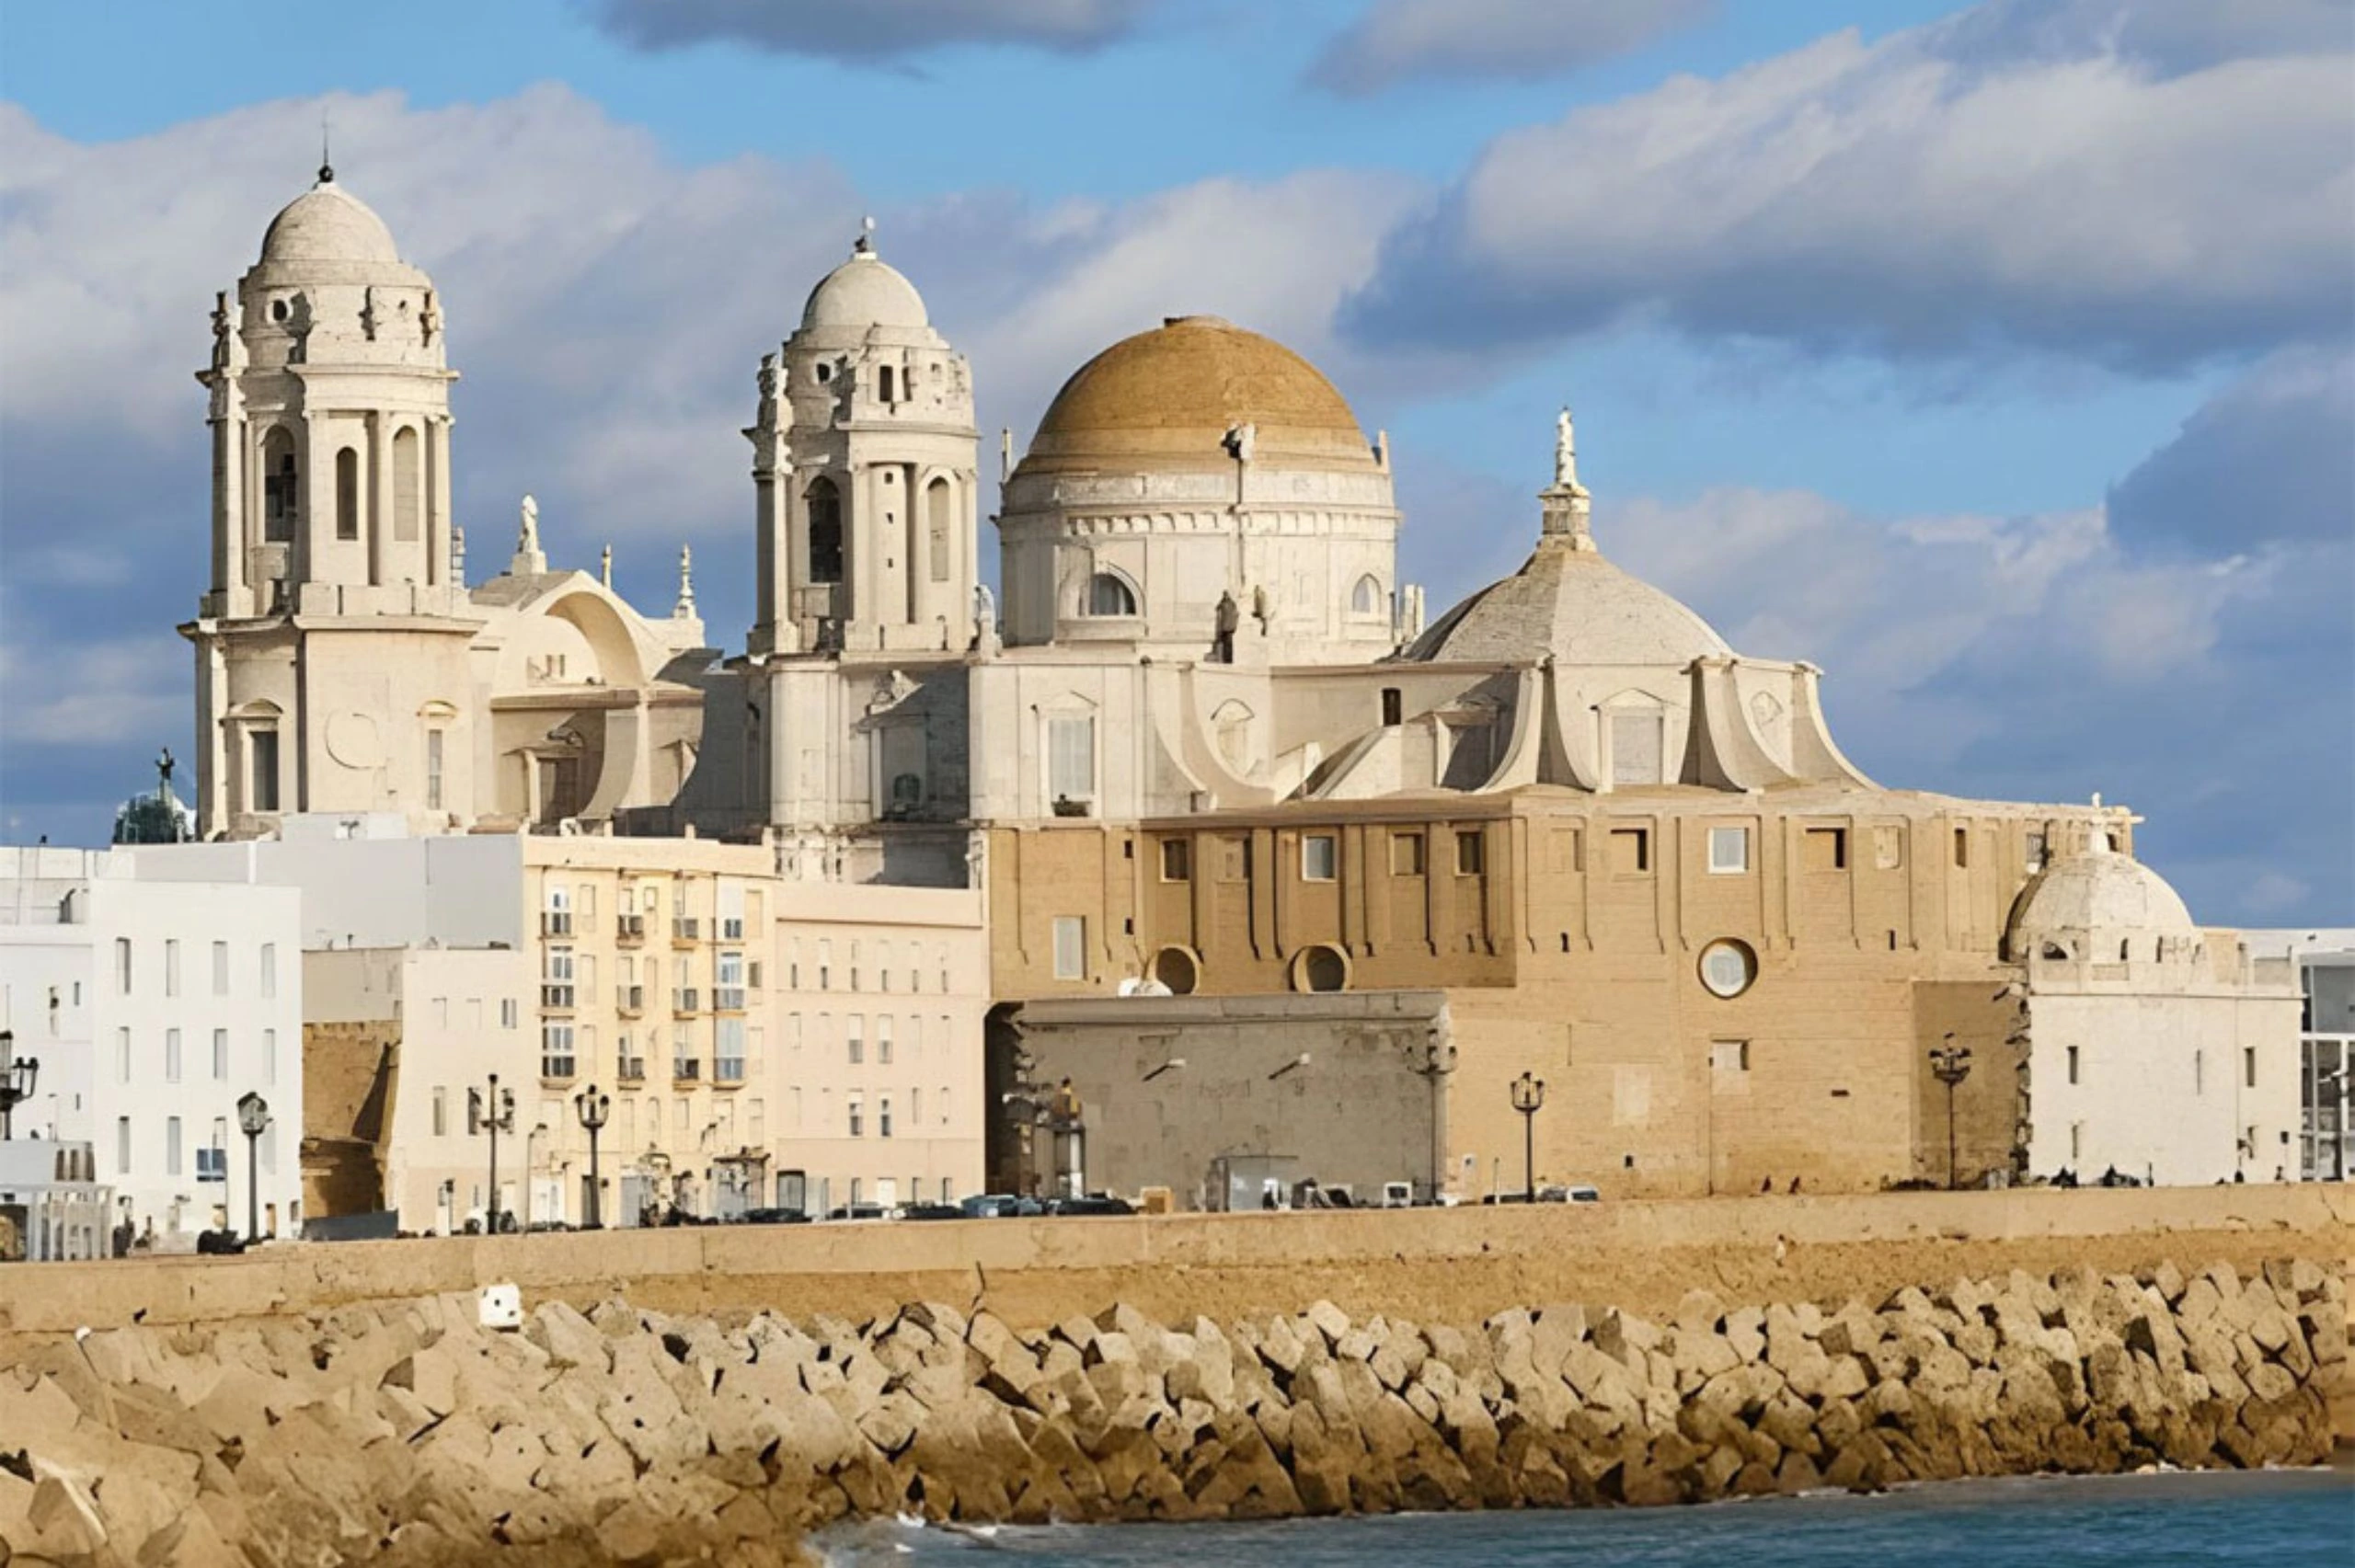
<point>1951,189</point>
<point>869,29</point>
<point>1398,41</point>
<point>129,690</point>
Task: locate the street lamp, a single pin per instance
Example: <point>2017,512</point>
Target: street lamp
<point>1951,1064</point>
<point>17,1078</point>
<point>493,1111</point>
<point>593,1108</point>
<point>1528,1098</point>
<point>253,1120</point>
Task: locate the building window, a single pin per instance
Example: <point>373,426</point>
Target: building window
<point>172,1056</point>
<point>556,1050</point>
<point>280,492</point>
<point>122,1056</point>
<point>2248,1066</point>
<point>1405,854</point>
<point>883,1040</point>
<point>825,966</point>
<point>2076,1142</point>
<point>1071,758</point>
<point>1319,857</point>
<point>1961,848</point>
<point>2036,851</point>
<point>2199,1072</point>
<point>727,994</point>
<point>263,747</point>
<point>883,1117</point>
<point>854,1036</point>
<point>857,1128</point>
<point>122,965</point>
<point>728,1050</point>
<point>2073,1064</point>
<point>1728,967</point>
<point>171,967</point>
<point>1070,947</point>
<point>1825,848</point>
<point>1730,1058</point>
<point>433,769</point>
<point>408,484</point>
<point>440,1111</point>
<point>171,1146</point>
<point>939,527</point>
<point>347,494</point>
<point>507,1012</point>
<point>220,968</point>
<point>1393,705</point>
<point>1631,850</point>
<point>555,976</point>
<point>825,509</point>
<point>1729,851</point>
<point>122,1146</point>
<point>1365,598</point>
<point>1637,741</point>
<point>221,1055</point>
<point>269,1055</point>
<point>1108,595</point>
<point>1176,860</point>
<point>1471,853</point>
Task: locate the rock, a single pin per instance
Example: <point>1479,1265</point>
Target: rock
<point>1328,1320</point>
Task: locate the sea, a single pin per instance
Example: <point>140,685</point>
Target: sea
<point>2279,1518</point>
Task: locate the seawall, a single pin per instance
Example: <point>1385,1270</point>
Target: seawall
<point>404,1433</point>
<point>1456,1266</point>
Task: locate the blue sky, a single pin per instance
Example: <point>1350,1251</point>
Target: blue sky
<point>1995,357</point>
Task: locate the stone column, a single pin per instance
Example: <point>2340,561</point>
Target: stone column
<point>376,515</point>
<point>437,501</point>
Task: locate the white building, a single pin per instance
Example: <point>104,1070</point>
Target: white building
<point>153,1008</point>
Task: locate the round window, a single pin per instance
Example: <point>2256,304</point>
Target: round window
<point>1320,968</point>
<point>277,310</point>
<point>1728,967</point>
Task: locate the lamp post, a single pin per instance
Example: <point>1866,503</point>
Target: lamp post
<point>1950,1064</point>
<point>1528,1098</point>
<point>253,1120</point>
<point>593,1108</point>
<point>491,1111</point>
<point>18,1076</point>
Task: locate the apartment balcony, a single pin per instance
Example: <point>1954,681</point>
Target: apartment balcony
<point>686,1003</point>
<point>629,1000</point>
<point>630,1070</point>
<point>555,998</point>
<point>686,930</point>
<point>629,930</point>
<point>686,1069</point>
<point>556,922</point>
<point>555,1069</point>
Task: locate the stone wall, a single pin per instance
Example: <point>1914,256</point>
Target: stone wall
<point>406,1434</point>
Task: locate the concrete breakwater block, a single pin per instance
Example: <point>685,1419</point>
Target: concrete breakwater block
<point>420,1431</point>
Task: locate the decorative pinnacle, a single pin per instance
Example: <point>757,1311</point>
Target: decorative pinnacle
<point>864,244</point>
<point>686,605</point>
<point>326,163</point>
<point>1566,502</point>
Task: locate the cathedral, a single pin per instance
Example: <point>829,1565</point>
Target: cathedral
<point>1239,813</point>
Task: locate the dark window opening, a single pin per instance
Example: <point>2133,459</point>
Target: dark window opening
<point>347,494</point>
<point>884,384</point>
<point>279,494</point>
<point>825,531</point>
<point>1393,705</point>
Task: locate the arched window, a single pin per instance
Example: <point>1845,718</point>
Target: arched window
<point>1108,595</point>
<point>408,484</point>
<point>825,531</point>
<point>935,512</point>
<point>1366,598</point>
<point>279,494</point>
<point>347,494</point>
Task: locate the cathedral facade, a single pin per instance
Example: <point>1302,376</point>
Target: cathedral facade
<point>1200,744</point>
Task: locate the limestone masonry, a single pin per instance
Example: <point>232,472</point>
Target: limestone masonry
<point>404,1433</point>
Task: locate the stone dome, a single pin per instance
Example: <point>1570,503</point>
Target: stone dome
<point>327,222</point>
<point>1173,394</point>
<point>1575,605</point>
<point>866,291</point>
<point>2099,892</point>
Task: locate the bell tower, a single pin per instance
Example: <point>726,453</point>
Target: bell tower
<point>333,589</point>
<point>864,474</point>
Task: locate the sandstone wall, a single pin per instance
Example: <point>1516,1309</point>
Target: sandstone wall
<point>1458,1265</point>
<point>405,1434</point>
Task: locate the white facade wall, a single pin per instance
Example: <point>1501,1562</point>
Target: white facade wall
<point>153,1008</point>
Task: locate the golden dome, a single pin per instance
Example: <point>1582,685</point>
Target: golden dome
<point>1170,397</point>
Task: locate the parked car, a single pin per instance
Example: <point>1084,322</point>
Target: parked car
<point>932,1211</point>
<point>1398,1195</point>
<point>856,1211</point>
<point>1568,1194</point>
<point>999,1205</point>
<point>775,1216</point>
<point>1093,1203</point>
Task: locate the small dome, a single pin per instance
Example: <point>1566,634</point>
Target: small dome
<point>1577,606</point>
<point>866,291</point>
<point>1177,390</point>
<point>2099,892</point>
<point>327,222</point>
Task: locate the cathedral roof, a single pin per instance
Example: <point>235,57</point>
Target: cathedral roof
<point>1178,392</point>
<point>2099,891</point>
<point>327,222</point>
<point>866,291</point>
<point>1576,605</point>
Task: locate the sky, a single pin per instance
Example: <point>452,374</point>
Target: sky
<point>1996,359</point>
